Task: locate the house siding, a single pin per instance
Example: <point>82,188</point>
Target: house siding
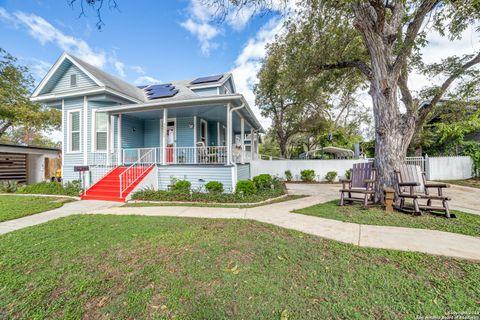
<point>243,172</point>
<point>63,82</point>
<point>130,138</point>
<point>151,133</point>
<point>72,159</point>
<point>194,174</point>
<point>184,132</point>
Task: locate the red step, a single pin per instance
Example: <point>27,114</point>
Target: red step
<point>108,188</point>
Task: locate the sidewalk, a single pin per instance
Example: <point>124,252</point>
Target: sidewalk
<point>279,214</point>
<point>405,239</point>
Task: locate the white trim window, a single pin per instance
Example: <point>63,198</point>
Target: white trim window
<point>101,131</point>
<point>74,131</point>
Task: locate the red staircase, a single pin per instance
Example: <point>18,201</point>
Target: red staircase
<point>108,188</point>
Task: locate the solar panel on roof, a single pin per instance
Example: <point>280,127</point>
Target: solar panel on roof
<point>207,79</point>
<point>160,91</point>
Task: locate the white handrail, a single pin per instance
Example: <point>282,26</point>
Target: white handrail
<point>135,171</point>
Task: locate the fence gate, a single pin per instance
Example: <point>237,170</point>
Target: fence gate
<point>417,161</point>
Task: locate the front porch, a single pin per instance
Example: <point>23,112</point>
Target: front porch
<point>203,135</point>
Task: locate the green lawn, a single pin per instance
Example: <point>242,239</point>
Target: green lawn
<point>13,207</point>
<point>211,205</point>
<point>473,183</point>
<point>134,267</point>
<point>465,223</point>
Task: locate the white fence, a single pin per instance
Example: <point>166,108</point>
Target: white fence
<point>449,168</point>
<point>437,168</point>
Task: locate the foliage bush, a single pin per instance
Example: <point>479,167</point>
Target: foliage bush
<point>69,188</point>
<point>214,187</point>
<point>307,175</point>
<point>8,186</point>
<point>263,181</point>
<point>472,149</point>
<point>288,175</point>
<point>330,176</point>
<point>245,187</point>
<point>348,174</point>
<point>182,186</point>
<point>202,197</point>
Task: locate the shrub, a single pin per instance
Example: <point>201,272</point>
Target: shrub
<point>245,187</point>
<point>214,187</point>
<point>307,175</point>
<point>182,186</point>
<point>330,176</point>
<point>288,175</point>
<point>263,181</point>
<point>69,189</point>
<point>8,186</point>
<point>348,174</point>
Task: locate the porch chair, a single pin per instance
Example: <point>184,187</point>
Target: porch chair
<point>204,156</point>
<point>362,182</point>
<point>411,183</point>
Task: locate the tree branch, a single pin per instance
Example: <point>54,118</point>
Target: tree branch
<point>407,97</point>
<point>411,34</point>
<point>360,65</point>
<point>443,88</point>
<point>379,8</point>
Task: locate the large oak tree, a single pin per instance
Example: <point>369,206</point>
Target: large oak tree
<point>381,39</point>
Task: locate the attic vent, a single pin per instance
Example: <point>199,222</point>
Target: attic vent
<point>73,80</point>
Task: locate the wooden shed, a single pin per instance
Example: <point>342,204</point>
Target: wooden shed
<point>26,164</point>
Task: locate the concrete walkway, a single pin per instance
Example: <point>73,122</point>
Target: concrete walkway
<point>279,214</point>
<point>67,209</point>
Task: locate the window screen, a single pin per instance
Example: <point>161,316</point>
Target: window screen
<point>73,80</point>
<point>101,127</point>
<point>75,131</point>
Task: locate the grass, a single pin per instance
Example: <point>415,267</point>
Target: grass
<point>465,223</point>
<point>210,205</point>
<point>13,207</point>
<point>126,267</point>
<point>473,183</point>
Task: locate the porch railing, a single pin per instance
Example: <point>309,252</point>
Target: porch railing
<point>136,170</point>
<point>196,155</point>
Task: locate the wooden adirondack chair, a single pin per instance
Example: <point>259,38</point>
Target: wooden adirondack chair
<point>362,182</point>
<point>412,184</point>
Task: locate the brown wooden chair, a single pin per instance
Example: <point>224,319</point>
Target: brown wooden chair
<point>362,182</point>
<point>411,184</point>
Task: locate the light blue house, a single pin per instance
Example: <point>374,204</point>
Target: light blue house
<point>199,130</point>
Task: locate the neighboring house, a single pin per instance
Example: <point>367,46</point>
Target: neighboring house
<point>27,164</point>
<point>198,130</point>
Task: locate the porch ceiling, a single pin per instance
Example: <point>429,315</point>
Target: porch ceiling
<point>209,113</point>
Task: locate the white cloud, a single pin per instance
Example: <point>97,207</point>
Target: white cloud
<point>249,62</point>
<point>120,67</point>
<point>145,80</point>
<point>37,67</point>
<point>204,33</point>
<point>44,32</point>
<point>138,69</point>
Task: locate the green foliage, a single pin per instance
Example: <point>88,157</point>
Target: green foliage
<point>472,149</point>
<point>307,175</point>
<point>16,109</point>
<point>56,188</point>
<point>8,186</point>
<point>288,175</point>
<point>330,176</point>
<point>214,187</point>
<point>348,174</point>
<point>245,187</point>
<point>182,186</point>
<point>214,197</point>
<point>262,181</point>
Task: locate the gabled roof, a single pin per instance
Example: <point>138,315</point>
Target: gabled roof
<point>100,77</point>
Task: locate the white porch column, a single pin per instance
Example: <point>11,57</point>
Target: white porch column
<point>229,134</point>
<point>109,139</point>
<point>242,139</point>
<point>195,152</point>
<point>119,140</point>
<point>164,136</point>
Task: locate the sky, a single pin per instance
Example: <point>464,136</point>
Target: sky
<point>158,41</point>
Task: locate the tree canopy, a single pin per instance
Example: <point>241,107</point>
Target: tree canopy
<point>16,109</point>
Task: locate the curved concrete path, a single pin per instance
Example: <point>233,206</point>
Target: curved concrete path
<point>279,214</point>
